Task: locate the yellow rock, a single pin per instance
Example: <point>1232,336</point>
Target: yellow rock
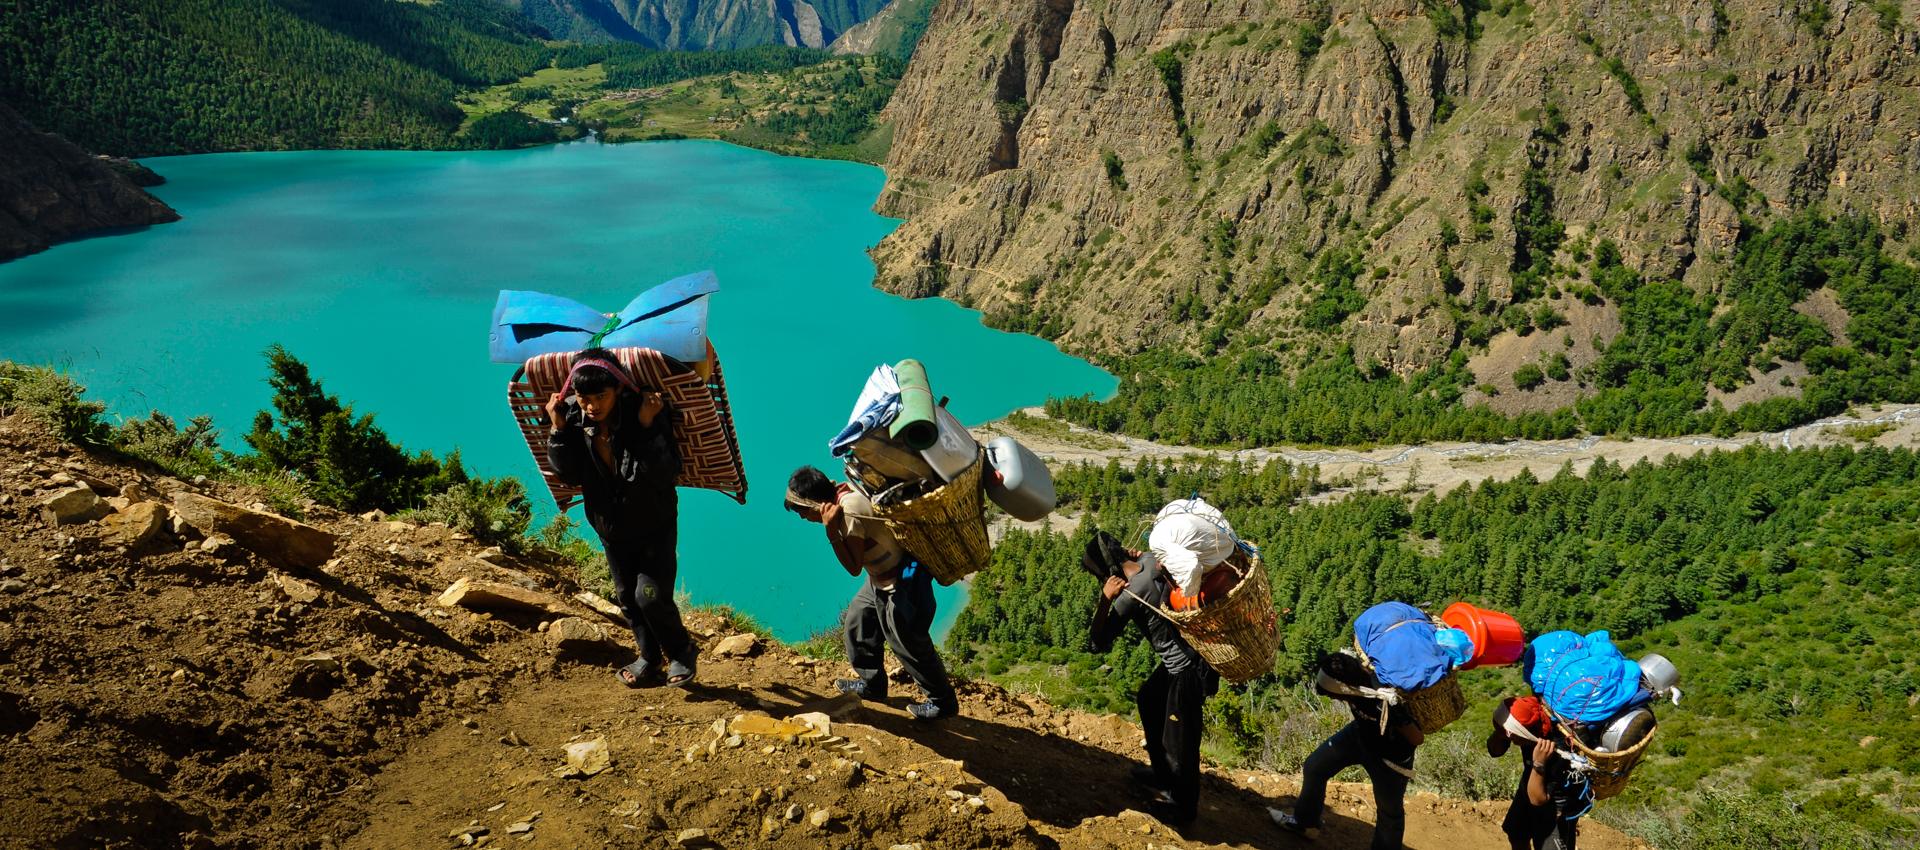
<point>764,726</point>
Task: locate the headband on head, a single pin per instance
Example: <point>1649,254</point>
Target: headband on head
<point>619,374</point>
<point>795,500</point>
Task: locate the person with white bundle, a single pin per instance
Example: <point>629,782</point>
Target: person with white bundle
<point>1189,539</point>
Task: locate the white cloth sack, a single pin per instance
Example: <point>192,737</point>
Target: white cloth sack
<point>1189,536</point>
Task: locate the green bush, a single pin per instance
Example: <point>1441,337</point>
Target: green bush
<point>345,461</point>
<point>559,539</point>
<point>52,398</point>
<point>182,452</point>
<point>1528,376</point>
<point>493,510</point>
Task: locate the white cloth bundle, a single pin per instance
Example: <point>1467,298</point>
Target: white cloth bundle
<point>1189,536</point>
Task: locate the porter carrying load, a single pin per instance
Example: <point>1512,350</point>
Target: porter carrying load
<point>1601,701</point>
<point>1414,662</point>
<point>923,471</point>
<point>1221,600</point>
<point>661,339</point>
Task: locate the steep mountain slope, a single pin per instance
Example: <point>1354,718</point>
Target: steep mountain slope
<point>51,190</point>
<point>165,685</point>
<point>894,30</point>
<point>153,77</point>
<point>1399,176</point>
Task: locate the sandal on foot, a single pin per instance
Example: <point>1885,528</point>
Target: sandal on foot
<point>680,673</point>
<point>639,674</point>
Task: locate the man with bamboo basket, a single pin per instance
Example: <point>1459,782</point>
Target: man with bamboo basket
<point>1171,700</point>
<point>895,606</point>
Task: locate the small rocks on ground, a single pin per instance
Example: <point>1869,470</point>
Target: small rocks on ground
<point>694,837</point>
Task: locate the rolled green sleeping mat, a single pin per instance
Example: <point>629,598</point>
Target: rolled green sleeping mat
<point>915,424</point>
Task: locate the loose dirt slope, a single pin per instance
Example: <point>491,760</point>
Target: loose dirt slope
<point>176,694</point>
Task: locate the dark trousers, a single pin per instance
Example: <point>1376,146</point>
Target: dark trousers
<point>899,619</point>
<point>643,574</point>
<point>1360,743</point>
<point>1171,706</point>
<point>1538,827</point>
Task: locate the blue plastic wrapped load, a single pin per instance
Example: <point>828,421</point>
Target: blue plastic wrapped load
<point>670,318</point>
<point>1399,639</point>
<point>1581,678</point>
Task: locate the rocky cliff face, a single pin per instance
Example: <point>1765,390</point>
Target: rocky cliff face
<point>51,190</point>
<point>688,25</point>
<point>1130,173</point>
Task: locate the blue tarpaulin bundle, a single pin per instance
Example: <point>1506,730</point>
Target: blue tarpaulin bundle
<point>1399,639</point>
<point>1581,678</point>
<point>670,318</point>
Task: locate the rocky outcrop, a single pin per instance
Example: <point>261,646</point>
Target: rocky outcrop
<point>894,30</point>
<point>51,190</point>
<point>281,541</point>
<point>1141,173</point>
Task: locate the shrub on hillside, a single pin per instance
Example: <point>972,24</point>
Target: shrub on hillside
<point>346,462</point>
<point>54,399</point>
<point>493,510</point>
<point>558,538</point>
<point>181,452</point>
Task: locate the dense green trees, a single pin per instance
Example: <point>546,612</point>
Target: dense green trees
<point>1780,581</point>
<point>179,76</point>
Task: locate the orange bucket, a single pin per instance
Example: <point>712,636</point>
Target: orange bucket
<point>1497,638</point>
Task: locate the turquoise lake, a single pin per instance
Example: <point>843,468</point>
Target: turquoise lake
<point>379,270</point>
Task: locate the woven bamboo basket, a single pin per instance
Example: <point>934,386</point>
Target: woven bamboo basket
<point>1239,635</point>
<point>1432,707</point>
<point>1610,770</point>
<point>945,529</point>
<point>1436,705</point>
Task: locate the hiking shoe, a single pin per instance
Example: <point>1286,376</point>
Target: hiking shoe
<point>1288,823</point>
<point>1145,775</point>
<point>927,711</point>
<point>856,688</point>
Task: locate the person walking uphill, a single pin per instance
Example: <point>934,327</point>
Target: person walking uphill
<point>1551,798</point>
<point>614,440</point>
<point>1171,699</point>
<point>1384,750</point>
<point>895,605</point>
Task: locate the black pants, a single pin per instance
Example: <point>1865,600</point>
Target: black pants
<point>1538,827</point>
<point>643,574</point>
<point>899,619</point>
<point>1171,706</point>
<point>1360,743</point>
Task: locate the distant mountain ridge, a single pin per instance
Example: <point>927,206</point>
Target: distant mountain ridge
<point>695,25</point>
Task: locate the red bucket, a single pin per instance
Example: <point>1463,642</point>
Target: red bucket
<point>1497,638</point>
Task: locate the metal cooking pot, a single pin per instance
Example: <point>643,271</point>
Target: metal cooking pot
<point>1658,673</point>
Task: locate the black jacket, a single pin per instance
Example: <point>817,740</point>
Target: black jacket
<point>634,498</point>
<point>1108,622</point>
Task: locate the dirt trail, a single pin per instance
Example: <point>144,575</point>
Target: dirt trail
<point>1044,778</point>
<point>189,692</point>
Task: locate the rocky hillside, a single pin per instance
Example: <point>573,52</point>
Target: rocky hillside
<point>182,668</point>
<point>1125,174</point>
<point>51,190</point>
<point>685,25</point>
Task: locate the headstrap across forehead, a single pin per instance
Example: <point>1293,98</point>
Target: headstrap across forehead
<point>619,374</point>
